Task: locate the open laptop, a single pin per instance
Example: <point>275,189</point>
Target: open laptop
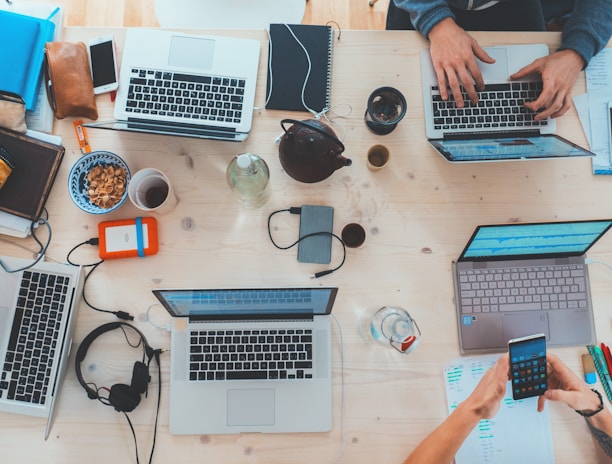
<point>37,319</point>
<point>499,127</point>
<point>250,360</point>
<point>513,280</point>
<point>175,83</point>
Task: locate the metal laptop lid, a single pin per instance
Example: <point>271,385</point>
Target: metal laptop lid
<point>245,304</point>
<point>533,240</point>
<point>174,83</point>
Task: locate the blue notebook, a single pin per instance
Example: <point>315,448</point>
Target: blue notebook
<point>22,54</point>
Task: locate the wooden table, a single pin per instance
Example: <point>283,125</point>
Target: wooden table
<point>418,214</point>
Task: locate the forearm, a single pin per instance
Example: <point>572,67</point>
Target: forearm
<point>425,14</point>
<point>442,444</point>
<point>600,426</point>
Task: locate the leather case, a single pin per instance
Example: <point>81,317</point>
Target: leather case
<point>68,80</point>
<point>12,111</point>
<point>29,185</point>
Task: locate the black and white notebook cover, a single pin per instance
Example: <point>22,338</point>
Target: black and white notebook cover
<point>288,67</point>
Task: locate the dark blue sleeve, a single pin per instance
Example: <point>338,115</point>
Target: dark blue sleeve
<point>589,28</point>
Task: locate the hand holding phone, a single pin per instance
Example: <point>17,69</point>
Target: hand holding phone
<point>103,64</point>
<point>528,366</point>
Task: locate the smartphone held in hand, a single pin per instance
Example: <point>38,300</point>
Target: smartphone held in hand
<point>528,366</point>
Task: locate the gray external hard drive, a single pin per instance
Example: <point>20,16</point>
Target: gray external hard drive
<point>317,248</point>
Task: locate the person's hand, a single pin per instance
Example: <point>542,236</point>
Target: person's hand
<point>559,72</point>
<point>486,397</point>
<point>565,386</point>
<point>453,54</point>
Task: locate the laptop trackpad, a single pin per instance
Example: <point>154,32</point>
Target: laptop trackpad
<point>191,52</point>
<point>498,71</point>
<point>523,324</point>
<point>250,407</point>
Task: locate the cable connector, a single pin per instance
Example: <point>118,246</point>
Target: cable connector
<point>93,241</point>
<point>295,210</point>
<point>123,315</point>
<point>322,273</point>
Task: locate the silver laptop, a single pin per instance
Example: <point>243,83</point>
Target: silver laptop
<point>250,360</point>
<point>513,280</point>
<point>37,319</point>
<point>498,127</point>
<point>189,85</point>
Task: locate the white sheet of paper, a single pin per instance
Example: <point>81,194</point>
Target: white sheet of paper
<point>496,439</point>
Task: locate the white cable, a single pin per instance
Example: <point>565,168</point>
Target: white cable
<point>167,328</point>
<point>592,261</point>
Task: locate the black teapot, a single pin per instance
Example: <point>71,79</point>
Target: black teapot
<point>309,151</point>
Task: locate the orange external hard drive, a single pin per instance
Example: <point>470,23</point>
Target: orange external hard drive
<point>128,238</point>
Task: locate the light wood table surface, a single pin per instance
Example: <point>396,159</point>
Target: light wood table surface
<point>418,214</point>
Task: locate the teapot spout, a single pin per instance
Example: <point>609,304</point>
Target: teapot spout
<point>341,161</point>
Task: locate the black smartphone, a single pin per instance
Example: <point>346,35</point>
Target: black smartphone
<point>528,366</point>
<point>103,63</point>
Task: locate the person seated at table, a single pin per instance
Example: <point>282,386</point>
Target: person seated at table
<point>587,29</point>
<point>441,445</point>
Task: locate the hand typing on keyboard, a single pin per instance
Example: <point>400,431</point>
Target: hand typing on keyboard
<point>559,73</point>
<point>454,52</point>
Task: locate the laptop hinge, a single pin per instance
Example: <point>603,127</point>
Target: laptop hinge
<point>253,318</point>
<point>490,135</point>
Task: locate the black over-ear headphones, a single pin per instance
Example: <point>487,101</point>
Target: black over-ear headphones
<point>124,398</point>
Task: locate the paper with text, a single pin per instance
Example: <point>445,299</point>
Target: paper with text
<point>517,433</point>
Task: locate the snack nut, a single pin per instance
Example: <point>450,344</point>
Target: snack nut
<point>107,185</point>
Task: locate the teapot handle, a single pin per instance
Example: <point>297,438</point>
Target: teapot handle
<point>314,128</point>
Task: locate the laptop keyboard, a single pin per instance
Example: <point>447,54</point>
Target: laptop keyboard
<point>36,327</point>
<point>250,354</point>
<point>522,289</point>
<point>195,97</point>
<point>500,106</point>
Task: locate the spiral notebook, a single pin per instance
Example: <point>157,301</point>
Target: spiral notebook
<point>288,67</point>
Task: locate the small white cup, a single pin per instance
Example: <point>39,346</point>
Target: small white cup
<point>150,190</point>
<point>378,157</point>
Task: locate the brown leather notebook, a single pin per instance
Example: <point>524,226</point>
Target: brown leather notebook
<point>28,186</point>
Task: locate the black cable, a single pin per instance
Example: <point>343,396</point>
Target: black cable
<point>133,435</point>
<point>297,210</point>
<point>94,241</point>
<point>42,246</point>
<point>156,354</point>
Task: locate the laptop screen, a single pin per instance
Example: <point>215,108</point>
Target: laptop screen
<point>507,148</point>
<point>259,302</point>
<point>534,240</point>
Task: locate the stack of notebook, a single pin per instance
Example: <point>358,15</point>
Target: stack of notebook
<point>22,61</point>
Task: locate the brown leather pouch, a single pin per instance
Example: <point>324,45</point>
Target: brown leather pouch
<point>12,111</point>
<point>68,80</point>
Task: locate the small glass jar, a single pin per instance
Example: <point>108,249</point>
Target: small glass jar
<point>7,165</point>
<point>391,326</point>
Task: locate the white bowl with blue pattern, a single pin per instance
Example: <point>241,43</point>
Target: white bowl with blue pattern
<point>78,185</point>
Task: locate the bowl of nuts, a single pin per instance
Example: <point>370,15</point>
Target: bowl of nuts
<point>98,182</point>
